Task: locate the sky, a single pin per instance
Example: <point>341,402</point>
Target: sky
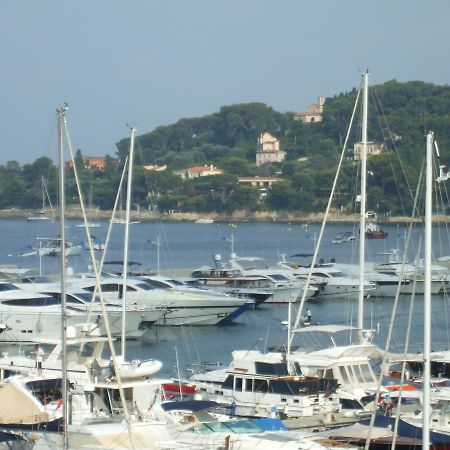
<point>152,62</point>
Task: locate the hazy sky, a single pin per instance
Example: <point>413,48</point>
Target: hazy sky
<point>152,62</point>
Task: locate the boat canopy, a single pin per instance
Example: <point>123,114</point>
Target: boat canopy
<point>324,329</point>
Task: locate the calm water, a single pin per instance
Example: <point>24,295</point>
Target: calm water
<point>189,245</point>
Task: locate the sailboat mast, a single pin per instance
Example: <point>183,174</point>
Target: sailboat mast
<point>427,296</point>
<point>43,193</point>
<point>126,238</point>
<point>362,225</point>
<point>62,235</point>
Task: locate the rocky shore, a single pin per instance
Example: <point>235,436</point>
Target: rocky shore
<point>238,216</point>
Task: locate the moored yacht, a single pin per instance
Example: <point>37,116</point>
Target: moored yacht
<point>183,307</point>
<point>260,385</point>
<point>138,319</point>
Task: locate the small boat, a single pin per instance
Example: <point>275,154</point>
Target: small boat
<point>88,225</point>
<point>52,247</point>
<point>96,245</point>
<point>204,220</point>
<point>123,221</point>
<point>42,214</point>
<point>139,369</point>
<point>373,231</point>
<point>341,238</point>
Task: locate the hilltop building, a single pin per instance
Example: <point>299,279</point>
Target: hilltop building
<point>313,113</point>
<point>268,150</point>
<point>198,171</point>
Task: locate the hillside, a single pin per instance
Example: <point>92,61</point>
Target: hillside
<point>403,110</point>
<point>399,116</point>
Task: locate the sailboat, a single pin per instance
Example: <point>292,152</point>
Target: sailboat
<point>89,224</point>
<point>121,219</point>
<point>41,215</point>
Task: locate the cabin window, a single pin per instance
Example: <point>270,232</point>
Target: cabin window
<point>260,386</point>
<point>355,374</point>
<point>363,377</point>
<point>238,384</point>
<point>328,375</point>
<point>344,374</point>
<point>366,372</point>
<point>248,385</point>
<point>8,287</point>
<point>110,287</point>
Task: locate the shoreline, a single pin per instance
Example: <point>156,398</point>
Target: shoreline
<point>238,216</point>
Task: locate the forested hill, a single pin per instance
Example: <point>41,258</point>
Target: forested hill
<point>399,116</point>
<point>398,112</point>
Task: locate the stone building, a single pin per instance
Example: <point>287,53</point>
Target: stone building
<point>372,149</point>
<point>268,150</point>
<point>313,113</point>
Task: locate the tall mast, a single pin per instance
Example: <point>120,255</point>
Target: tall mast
<point>126,238</point>
<point>43,193</point>
<point>427,296</point>
<point>362,224</point>
<point>62,235</point>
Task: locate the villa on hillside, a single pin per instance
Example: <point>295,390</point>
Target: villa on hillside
<point>263,183</point>
<point>313,113</point>
<point>155,168</point>
<point>198,171</point>
<point>94,162</point>
<point>372,150</point>
<point>268,150</point>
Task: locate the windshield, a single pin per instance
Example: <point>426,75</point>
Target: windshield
<point>238,426</point>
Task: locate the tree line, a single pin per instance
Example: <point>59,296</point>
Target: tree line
<point>399,115</point>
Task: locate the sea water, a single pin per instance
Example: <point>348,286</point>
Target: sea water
<point>174,245</point>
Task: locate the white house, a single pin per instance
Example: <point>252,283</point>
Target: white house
<point>268,150</point>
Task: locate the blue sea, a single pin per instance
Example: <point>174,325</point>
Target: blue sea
<point>175,245</point>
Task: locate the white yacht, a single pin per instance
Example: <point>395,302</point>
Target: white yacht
<point>182,307</point>
<point>335,283</point>
<point>26,316</point>
<point>138,319</point>
<point>260,385</point>
<point>52,247</point>
<point>286,287</point>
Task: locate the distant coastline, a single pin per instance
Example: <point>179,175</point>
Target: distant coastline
<point>239,216</point>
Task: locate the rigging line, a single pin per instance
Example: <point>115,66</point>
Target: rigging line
<point>381,115</point>
<point>161,230</point>
<point>308,280</point>
<point>394,309</point>
<point>391,136</point>
<point>102,302</point>
<point>406,350</point>
<point>389,155</point>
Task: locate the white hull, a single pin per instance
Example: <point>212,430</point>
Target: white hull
<point>88,225</point>
<point>390,290</point>
<point>343,291</point>
<point>195,315</point>
<point>182,307</point>
<point>30,324</point>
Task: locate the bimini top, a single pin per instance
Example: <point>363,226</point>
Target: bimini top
<point>189,405</point>
<point>325,329</point>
